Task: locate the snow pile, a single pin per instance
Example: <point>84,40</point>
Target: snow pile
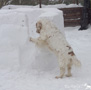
<point>43,6</point>
<point>16,26</point>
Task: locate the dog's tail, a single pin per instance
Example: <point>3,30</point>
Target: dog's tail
<point>76,62</point>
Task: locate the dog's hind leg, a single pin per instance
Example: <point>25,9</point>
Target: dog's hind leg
<point>62,68</point>
<point>62,72</point>
<point>69,68</point>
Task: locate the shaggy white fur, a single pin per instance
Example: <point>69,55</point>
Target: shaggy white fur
<point>52,38</point>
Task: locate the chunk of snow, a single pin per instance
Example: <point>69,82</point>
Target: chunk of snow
<point>16,26</point>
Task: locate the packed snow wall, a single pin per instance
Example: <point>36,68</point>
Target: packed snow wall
<point>16,26</point>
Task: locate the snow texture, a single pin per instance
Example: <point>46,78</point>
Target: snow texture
<point>25,67</point>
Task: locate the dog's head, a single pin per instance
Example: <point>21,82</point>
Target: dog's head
<point>38,27</point>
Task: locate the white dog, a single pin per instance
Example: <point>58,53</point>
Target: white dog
<point>55,41</point>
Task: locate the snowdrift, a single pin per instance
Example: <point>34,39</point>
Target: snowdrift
<point>16,26</point>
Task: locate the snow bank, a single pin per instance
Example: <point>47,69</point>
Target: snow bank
<point>43,6</point>
<point>16,26</point>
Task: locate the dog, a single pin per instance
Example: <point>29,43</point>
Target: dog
<point>52,38</point>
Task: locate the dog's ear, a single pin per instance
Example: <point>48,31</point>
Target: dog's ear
<point>39,25</point>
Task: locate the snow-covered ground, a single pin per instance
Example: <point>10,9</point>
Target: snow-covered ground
<point>25,67</point>
<point>42,78</point>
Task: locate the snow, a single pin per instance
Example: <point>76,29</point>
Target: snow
<point>25,67</point>
<point>43,6</point>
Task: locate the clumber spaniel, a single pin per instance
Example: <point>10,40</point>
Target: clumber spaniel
<point>56,42</point>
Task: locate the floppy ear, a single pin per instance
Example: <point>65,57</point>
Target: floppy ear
<point>39,25</point>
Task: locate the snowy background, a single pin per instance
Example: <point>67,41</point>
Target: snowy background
<point>43,6</point>
<point>25,67</point>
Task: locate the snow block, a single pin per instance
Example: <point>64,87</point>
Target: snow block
<point>13,34</point>
<point>16,27</point>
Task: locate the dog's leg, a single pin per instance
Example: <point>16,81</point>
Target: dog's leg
<point>62,72</point>
<point>36,41</point>
<point>69,68</point>
<point>61,65</point>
